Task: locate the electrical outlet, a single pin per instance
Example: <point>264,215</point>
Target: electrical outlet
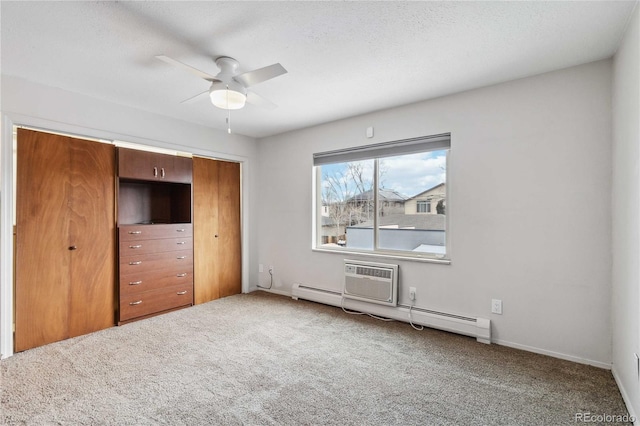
<point>412,293</point>
<point>261,268</point>
<point>496,306</point>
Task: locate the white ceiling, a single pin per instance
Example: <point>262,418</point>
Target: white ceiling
<point>343,58</point>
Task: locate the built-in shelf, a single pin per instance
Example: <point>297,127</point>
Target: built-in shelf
<point>142,202</point>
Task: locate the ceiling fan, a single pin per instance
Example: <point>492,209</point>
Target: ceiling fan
<point>229,90</point>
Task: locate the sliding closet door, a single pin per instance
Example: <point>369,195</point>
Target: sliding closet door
<point>229,229</point>
<point>92,232</point>
<point>42,240</point>
<point>205,230</point>
<point>216,228</point>
<point>65,238</point>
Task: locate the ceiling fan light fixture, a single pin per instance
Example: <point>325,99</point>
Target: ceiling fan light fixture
<point>225,97</point>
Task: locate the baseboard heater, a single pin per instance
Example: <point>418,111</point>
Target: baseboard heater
<point>480,328</point>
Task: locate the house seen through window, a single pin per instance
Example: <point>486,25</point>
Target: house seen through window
<point>388,197</point>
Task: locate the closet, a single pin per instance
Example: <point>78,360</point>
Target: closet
<point>109,235</point>
<point>216,226</point>
<point>65,238</point>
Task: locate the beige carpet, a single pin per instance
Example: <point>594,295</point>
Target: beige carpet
<point>261,359</point>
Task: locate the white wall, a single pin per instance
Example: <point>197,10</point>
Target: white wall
<point>626,214</point>
<point>518,146</point>
<point>32,104</point>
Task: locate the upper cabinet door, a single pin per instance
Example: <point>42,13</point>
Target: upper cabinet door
<point>151,166</point>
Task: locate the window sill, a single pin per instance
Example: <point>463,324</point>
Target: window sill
<point>378,255</point>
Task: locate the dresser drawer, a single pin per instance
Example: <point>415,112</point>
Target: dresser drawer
<point>153,301</point>
<point>137,248</point>
<point>166,261</point>
<point>144,281</point>
<point>151,232</point>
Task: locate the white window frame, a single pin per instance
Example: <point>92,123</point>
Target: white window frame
<point>375,152</point>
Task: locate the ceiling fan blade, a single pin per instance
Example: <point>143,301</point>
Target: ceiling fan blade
<point>254,99</point>
<point>251,78</point>
<point>193,98</point>
<point>186,67</point>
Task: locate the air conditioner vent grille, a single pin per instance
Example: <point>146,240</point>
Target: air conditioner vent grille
<point>374,272</point>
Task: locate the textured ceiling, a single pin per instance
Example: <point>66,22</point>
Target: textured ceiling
<point>343,58</point>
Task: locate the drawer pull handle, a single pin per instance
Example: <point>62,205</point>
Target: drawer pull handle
<point>136,303</point>
<point>180,243</point>
<point>180,230</point>
<point>155,172</point>
<point>162,172</point>
<point>181,257</point>
<point>137,262</point>
<point>180,293</point>
<point>135,232</point>
<point>184,274</point>
<point>137,246</point>
<point>135,282</point>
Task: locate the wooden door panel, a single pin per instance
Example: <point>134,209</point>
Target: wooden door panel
<point>205,228</point>
<point>182,170</point>
<point>42,244</point>
<point>136,164</point>
<point>92,232</point>
<point>229,229</point>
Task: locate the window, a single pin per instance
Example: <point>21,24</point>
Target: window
<point>378,198</point>
<point>423,207</point>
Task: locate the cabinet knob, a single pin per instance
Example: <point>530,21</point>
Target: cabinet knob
<point>72,247</point>
<point>216,235</point>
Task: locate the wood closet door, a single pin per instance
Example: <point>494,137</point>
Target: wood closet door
<point>65,239</point>
<point>92,230</point>
<point>216,228</point>
<point>42,240</point>
<point>229,256</point>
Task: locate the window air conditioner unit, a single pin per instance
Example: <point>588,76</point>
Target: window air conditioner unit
<point>371,282</point>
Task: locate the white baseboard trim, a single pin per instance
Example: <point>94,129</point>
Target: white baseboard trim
<point>625,396</point>
<point>480,328</point>
<point>553,354</point>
